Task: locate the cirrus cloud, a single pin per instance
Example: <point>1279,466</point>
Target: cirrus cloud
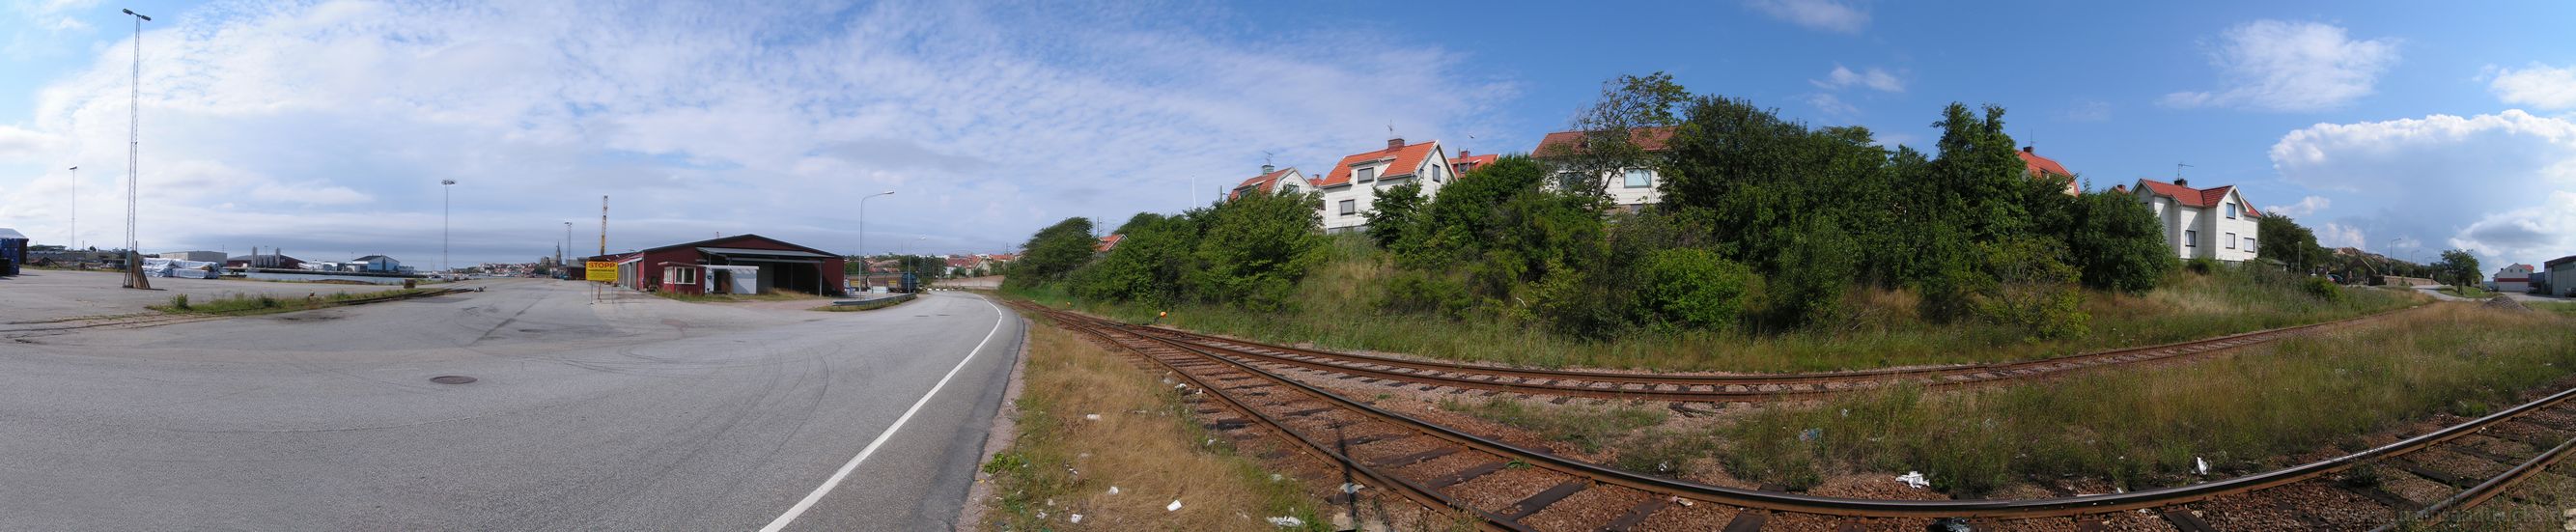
<point>2272,65</point>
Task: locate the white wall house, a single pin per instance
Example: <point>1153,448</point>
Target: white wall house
<point>1272,179</point>
<point>2213,223</point>
<point>1351,187</point>
<point>2512,278</point>
<point>1630,188</point>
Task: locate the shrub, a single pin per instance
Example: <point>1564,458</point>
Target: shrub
<point>2116,244</point>
<point>1426,292</point>
<point>2033,289</point>
<point>2202,265</point>
<point>1819,264</point>
<point>179,302</point>
<point>2324,289</point>
<point>1694,288</point>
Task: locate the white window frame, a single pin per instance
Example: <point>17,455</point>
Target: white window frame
<point>1631,178</point>
<point>2231,211</point>
<point>2249,243</point>
<point>1350,207</point>
<point>2191,238</point>
<point>2231,241</point>
<point>1364,174</point>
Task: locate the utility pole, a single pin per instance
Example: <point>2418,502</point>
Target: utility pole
<point>74,241</point>
<point>443,198</point>
<point>134,155</point>
<point>567,244</point>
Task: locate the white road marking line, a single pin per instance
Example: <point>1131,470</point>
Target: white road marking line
<point>835,481</point>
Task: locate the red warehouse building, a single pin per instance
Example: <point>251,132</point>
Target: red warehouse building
<point>743,264</point>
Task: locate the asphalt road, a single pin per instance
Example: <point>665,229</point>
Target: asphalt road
<point>635,414</point>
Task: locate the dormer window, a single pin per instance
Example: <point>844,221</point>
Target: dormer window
<point>1367,174</point>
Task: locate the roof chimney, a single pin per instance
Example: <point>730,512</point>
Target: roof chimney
<point>1462,154</point>
<point>2026,149</point>
<point>2180,182</point>
<point>1266,169</point>
<point>1394,143</point>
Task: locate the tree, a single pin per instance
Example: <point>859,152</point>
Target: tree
<point>2460,266</point>
<point>2116,243</point>
<point>1393,214</point>
<point>1053,252</point>
<point>2277,237</point>
<point>1152,255</point>
<point>1255,248</point>
<point>1628,108</point>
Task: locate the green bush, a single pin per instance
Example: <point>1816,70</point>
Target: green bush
<point>2202,265</point>
<point>2324,289</point>
<point>1426,292</point>
<point>1819,264</point>
<point>1695,288</point>
<point>179,302</point>
<point>2032,290</point>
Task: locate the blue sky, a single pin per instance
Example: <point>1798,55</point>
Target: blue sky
<point>324,127</point>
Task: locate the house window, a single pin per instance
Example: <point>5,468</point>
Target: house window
<point>1640,178</point>
<point>2190,238</point>
<point>2231,241</point>
<point>1367,174</point>
<point>1435,173</point>
<point>2249,242</point>
<point>1290,189</point>
<point>2231,211</point>
<point>1350,206</point>
<point>681,275</point>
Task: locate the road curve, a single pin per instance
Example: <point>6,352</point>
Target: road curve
<point>634,413</point>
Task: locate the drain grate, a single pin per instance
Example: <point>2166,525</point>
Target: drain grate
<point>452,379</point>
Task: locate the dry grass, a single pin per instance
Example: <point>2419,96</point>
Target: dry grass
<point>1144,443</point>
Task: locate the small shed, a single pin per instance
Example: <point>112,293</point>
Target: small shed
<point>13,251</point>
<point>741,264</point>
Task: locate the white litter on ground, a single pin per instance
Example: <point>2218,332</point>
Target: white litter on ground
<point>1077,519</point>
<point>1175,507</point>
<point>1286,521</point>
<point>1915,479</point>
<point>2200,465</point>
<point>1113,490</point>
<point>1091,417</point>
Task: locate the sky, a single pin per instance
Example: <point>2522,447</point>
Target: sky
<point>325,128</point>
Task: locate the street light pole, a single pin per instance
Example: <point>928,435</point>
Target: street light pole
<point>443,196</point>
<point>863,237</point>
<point>133,156</point>
<point>74,241</point>
<point>559,257</point>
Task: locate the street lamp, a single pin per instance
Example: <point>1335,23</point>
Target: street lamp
<point>134,155</point>
<point>443,196</point>
<point>559,257</point>
<point>74,241</point>
<point>863,236</point>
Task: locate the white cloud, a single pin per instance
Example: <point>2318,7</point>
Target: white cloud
<point>2087,110</point>
<point>2272,65</point>
<point>2305,206</point>
<point>1831,105</point>
<point>2538,85</point>
<point>2493,183</point>
<point>327,126</point>
<point>2335,235</point>
<point>1873,77</point>
<point>1825,15</point>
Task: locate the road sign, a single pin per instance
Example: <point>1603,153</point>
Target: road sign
<point>600,270</point>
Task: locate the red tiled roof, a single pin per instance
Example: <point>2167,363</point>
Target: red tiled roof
<point>1468,163</point>
<point>1648,138</point>
<point>1109,242</point>
<point>1265,182</point>
<point>2042,165</point>
<point>2196,197</point>
<point>1407,158</point>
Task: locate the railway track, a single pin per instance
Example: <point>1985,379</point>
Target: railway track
<point>1505,487</point>
<point>1716,389</point>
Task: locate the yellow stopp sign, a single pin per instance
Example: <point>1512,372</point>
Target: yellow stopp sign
<point>600,270</point>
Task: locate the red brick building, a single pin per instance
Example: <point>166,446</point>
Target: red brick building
<point>733,264</point>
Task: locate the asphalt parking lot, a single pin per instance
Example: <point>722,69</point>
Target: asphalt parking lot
<point>624,414</point>
<point>55,294</point>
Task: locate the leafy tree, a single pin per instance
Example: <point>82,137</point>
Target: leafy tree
<point>1148,263</point>
<point>1255,248</point>
<point>1628,108</point>
<point>1053,252</point>
<point>1393,214</point>
<point>2460,266</point>
<point>1695,288</point>
<point>2116,243</point>
<point>2277,237</point>
<point>2032,289</point>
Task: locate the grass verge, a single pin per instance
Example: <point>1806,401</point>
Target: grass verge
<point>1143,442</point>
<point>247,304</point>
<point>1333,310</point>
<point>2470,292</point>
<point>2147,428</point>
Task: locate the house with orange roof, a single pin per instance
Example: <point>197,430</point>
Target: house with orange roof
<point>1465,163</point>
<point>2214,223</point>
<point>1352,186</point>
<point>1274,180</point>
<point>2037,167</point>
<point>1630,188</point>
<point>1108,243</point>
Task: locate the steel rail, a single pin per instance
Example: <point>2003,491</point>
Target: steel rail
<point>1849,507</point>
<point>1409,489</point>
<point>2492,487</point>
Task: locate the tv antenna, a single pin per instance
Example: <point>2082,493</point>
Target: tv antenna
<point>2178,170</point>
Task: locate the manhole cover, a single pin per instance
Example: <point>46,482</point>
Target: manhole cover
<point>451,379</point>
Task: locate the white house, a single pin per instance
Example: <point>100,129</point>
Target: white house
<point>2037,167</point>
<point>1630,188</point>
<point>1351,188</point>
<point>2215,223</point>
<point>1272,179</point>
<point>2513,278</point>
